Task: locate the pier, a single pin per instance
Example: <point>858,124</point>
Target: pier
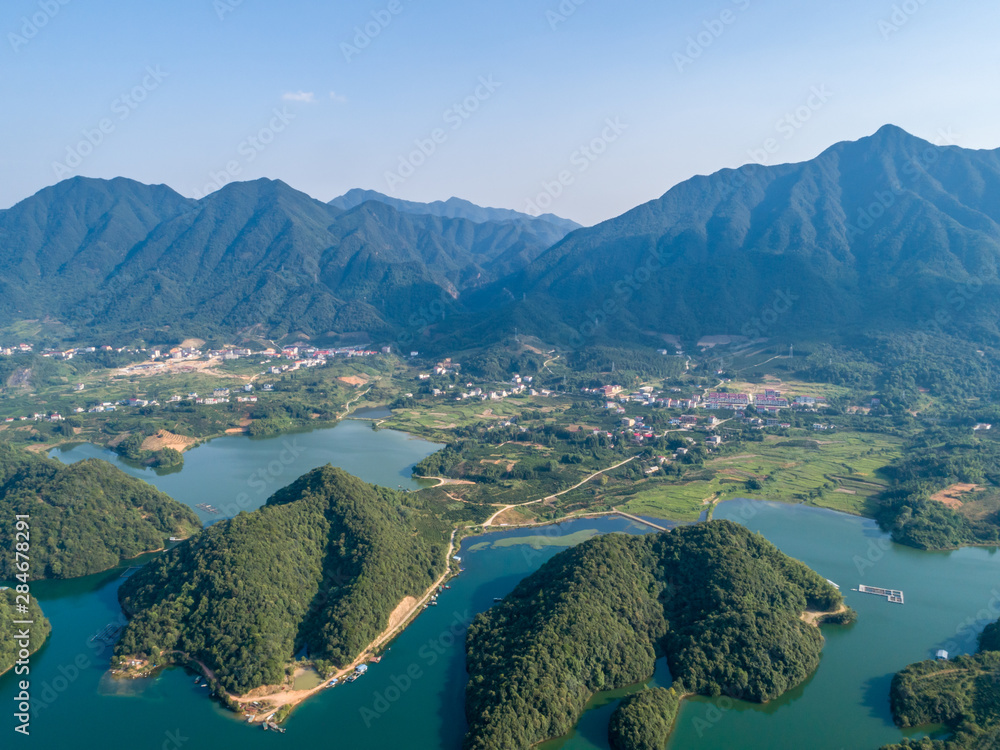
<point>893,595</point>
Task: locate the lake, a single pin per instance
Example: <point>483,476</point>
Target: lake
<point>414,697</point>
<point>237,473</point>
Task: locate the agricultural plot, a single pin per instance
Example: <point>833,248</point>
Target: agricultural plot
<point>839,472</point>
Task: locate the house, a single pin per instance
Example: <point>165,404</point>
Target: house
<point>727,401</point>
<point>714,440</point>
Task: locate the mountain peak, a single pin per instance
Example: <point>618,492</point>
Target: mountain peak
<point>453,208</point>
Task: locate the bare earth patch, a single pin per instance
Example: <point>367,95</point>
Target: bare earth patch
<point>164,439</point>
<point>355,380</point>
<point>512,517</point>
<point>812,617</point>
<point>951,496</point>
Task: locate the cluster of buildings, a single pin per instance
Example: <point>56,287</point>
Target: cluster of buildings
<point>7,351</point>
<point>769,402</point>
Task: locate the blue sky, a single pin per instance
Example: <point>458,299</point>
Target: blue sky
<point>585,108</point>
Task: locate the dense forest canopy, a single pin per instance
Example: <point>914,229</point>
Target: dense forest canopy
<point>321,566</point>
<point>722,604</point>
<point>644,721</point>
<point>37,632</point>
<point>86,517</point>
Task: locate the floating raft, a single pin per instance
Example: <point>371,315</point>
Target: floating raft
<point>108,634</point>
<point>893,595</point>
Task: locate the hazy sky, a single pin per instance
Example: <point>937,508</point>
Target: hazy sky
<point>584,107</point>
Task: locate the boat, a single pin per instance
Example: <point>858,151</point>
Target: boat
<point>497,598</point>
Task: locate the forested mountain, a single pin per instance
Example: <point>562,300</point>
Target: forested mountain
<point>87,517</point>
<point>38,631</point>
<point>121,259</point>
<point>57,246</point>
<point>722,604</point>
<point>548,225</point>
<point>321,566</point>
<point>883,234</point>
<point>886,234</point>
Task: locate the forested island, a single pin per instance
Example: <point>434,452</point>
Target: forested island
<point>320,567</point>
<point>38,631</point>
<point>644,721</point>
<point>87,517</point>
<point>723,605</point>
<point>962,693</point>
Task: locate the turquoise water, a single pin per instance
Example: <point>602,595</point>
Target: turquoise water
<point>236,473</point>
<point>413,698</point>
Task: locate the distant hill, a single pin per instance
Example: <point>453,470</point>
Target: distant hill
<point>886,233</point>
<point>88,517</point>
<point>456,208</point>
<point>321,566</point>
<point>120,259</point>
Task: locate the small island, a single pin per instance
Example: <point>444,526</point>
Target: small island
<point>962,693</point>
<point>723,605</point>
<point>314,581</point>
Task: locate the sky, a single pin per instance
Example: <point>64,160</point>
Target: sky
<point>582,108</point>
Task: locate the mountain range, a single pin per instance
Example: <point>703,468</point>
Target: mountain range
<point>887,233</point>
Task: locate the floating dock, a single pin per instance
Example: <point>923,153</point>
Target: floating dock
<point>894,596</point>
<point>109,634</point>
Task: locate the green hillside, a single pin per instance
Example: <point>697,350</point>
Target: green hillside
<point>884,234</point>
<point>320,567</point>
<point>722,604</point>
<point>963,693</point>
<point>85,517</point>
<point>38,632</point>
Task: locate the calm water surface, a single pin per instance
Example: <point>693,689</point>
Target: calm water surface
<point>413,698</point>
